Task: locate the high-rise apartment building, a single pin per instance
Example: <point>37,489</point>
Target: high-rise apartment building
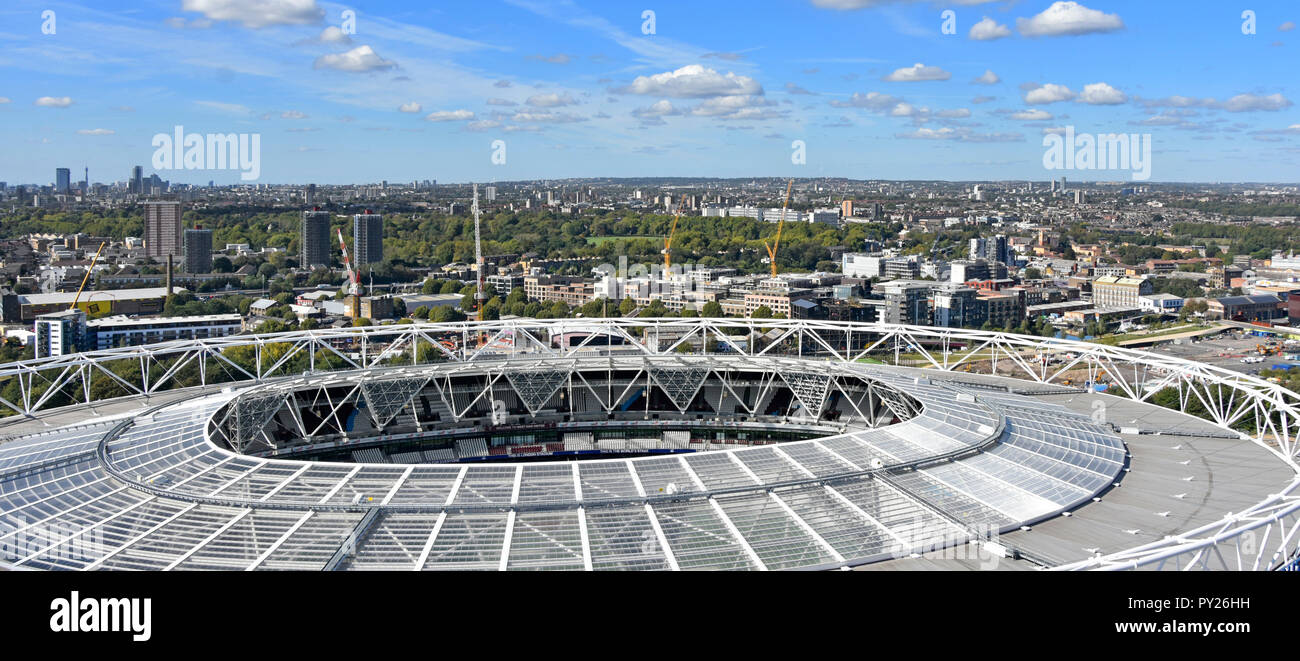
<point>314,239</point>
<point>368,238</point>
<point>162,229</point>
<point>198,250</point>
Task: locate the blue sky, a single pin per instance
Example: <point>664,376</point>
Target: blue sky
<point>873,88</point>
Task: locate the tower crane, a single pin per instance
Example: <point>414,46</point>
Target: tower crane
<point>668,244</point>
<point>89,269</point>
<point>353,284</point>
<point>776,244</point>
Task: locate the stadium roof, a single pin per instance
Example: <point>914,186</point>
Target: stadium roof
<point>165,497</point>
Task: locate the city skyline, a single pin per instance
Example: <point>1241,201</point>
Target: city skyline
<point>523,89</point>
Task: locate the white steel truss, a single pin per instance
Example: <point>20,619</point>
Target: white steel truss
<point>1262,536</point>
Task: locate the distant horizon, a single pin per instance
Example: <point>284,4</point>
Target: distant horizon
<point>1069,180</point>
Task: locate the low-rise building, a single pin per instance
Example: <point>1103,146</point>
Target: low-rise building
<point>1161,303</point>
<point>121,331</point>
<point>1258,307</point>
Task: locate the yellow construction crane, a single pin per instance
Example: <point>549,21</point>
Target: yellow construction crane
<point>771,249</point>
<point>89,269</point>
<point>668,244</point>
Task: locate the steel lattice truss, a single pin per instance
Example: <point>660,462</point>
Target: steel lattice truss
<point>1260,537</point>
<point>680,383</point>
<point>536,387</point>
<point>386,397</point>
<point>811,390</point>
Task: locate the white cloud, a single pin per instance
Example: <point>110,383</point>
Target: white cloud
<point>1238,103</point>
<point>1101,94</point>
<point>873,101</point>
<point>917,72</point>
<point>906,109</point>
<point>409,107</point>
<point>959,135</point>
<point>54,101</point>
<point>737,107</point>
<point>258,13</point>
<point>552,100</point>
<point>333,35</point>
<point>1286,27</point>
<point>5,99</point>
<point>661,108</point>
<point>987,78</point>
<point>495,101</point>
<point>449,116</point>
<point>482,125</point>
<point>1167,118</point>
<point>988,30</point>
<point>233,108</point>
<point>692,81</point>
<point>1032,115</point>
<point>293,114</point>
<point>96,131</point>
<point>1253,102</point>
<point>1068,18</point>
<point>1049,93</point>
<point>955,113</point>
<point>357,60</point>
<point>546,117</point>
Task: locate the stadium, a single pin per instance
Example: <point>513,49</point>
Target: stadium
<point>643,444</point>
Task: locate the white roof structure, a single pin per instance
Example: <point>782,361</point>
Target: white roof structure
<point>158,489</point>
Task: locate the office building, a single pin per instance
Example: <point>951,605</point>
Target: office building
<point>162,229</point>
<point>62,180</point>
<point>137,181</point>
<point>314,238</point>
<point>368,238</point>
<point>198,250</point>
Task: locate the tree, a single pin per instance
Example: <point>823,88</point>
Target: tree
<point>712,309</point>
<point>221,264</point>
<point>445,313</point>
<point>626,307</point>
<point>362,321</point>
<point>762,312</point>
